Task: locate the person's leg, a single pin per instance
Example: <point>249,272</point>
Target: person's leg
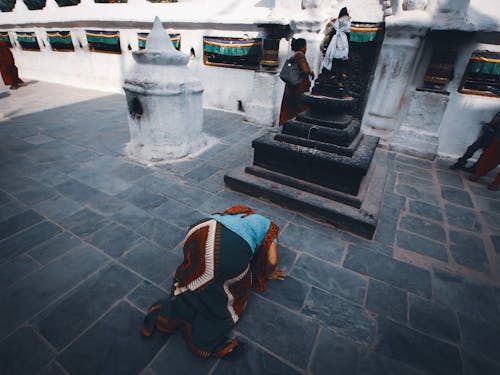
<point>488,160</point>
<point>478,144</point>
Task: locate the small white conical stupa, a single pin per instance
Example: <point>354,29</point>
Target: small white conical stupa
<point>165,102</point>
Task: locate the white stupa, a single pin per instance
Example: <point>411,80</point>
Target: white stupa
<point>165,102</point>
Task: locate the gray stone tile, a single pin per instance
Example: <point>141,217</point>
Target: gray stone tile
<point>496,243</point>
<point>223,200</point>
<point>155,183</point>
<point>24,241</point>
<point>333,353</point>
<point>387,225</point>
<point>491,219</point>
<point>58,207</point>
<point>18,223</point>
<point>142,198</point>
<point>286,258</point>
<point>373,364</point>
<point>422,245</point>
<point>84,222</point>
<point>98,351</point>
<point>130,172</point>
<point>53,368</point>
<point>213,184</point>
<point>265,322</point>
<point>477,365</point>
<point>386,300</point>
<point>417,193</point>
<point>489,205</point>
<point>105,204</point>
<point>162,233</point>
<point>114,239</point>
<point>76,190</point>
<point>177,213</point>
<point>313,242</point>
<point>16,269</point>
<point>38,139</point>
<point>472,299</point>
<point>131,216</point>
<point>367,244</point>
<point>433,319</point>
<point>409,180</point>
<point>426,210</point>
<point>344,317</point>
<point>456,196</point>
<point>84,305</point>
<point>423,227</point>
<point>392,271</point>
<point>450,179</point>
<point>480,337</point>
<point>152,262</point>
<point>289,292</point>
<point>24,353</point>
<point>330,278</point>
<point>4,198</point>
<point>145,295</point>
<point>421,163</point>
<point>30,295</point>
<point>34,194</point>
<point>414,171</point>
<point>100,180</point>
<point>468,250</point>
<point>481,191</point>
<point>12,182</point>
<point>462,218</point>
<point>202,172</point>
<point>55,247</point>
<point>417,350</point>
<point>254,360</point>
<point>189,195</point>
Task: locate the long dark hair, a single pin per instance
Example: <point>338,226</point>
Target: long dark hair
<point>343,12</point>
<point>298,44</point>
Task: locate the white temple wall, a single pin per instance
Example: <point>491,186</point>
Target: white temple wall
<point>461,121</point>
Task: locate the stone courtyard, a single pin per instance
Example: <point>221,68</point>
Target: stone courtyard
<point>89,239</point>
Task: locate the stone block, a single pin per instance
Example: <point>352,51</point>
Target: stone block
<point>145,295</point>
<point>58,207</point>
<point>423,227</point>
<point>468,250</point>
<point>319,145</point>
<point>389,270</point>
<point>386,300</point>
<point>422,246</point>
<point>164,234</point>
<point>24,352</point>
<point>289,292</point>
<point>450,179</point>
<point>480,337</point>
<point>333,279</point>
<point>130,172</point>
<point>426,210</point>
<point>114,239</point>
<point>346,318</point>
<point>434,319</point>
<point>456,196</point>
<point>265,322</point>
<point>462,218</point>
<point>16,269</point>
<point>131,216</point>
<point>496,243</point>
<point>84,222</point>
<point>371,363</point>
<point>33,194</point>
<point>53,248</point>
<point>18,223</point>
<point>98,351</point>
<point>333,352</point>
<point>84,305</point>
<point>475,364</point>
<point>417,350</point>
<point>142,198</point>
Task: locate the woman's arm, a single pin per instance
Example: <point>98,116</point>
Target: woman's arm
<point>273,273</point>
<point>303,65</point>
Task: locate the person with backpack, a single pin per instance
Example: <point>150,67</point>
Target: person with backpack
<point>290,105</point>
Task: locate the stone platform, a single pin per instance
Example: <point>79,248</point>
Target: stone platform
<point>321,165</point>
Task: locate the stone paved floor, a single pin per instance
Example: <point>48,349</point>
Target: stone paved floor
<point>88,239</point>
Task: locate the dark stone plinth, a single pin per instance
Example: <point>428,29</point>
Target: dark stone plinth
<point>341,137</point>
<point>323,168</point>
<point>321,165</point>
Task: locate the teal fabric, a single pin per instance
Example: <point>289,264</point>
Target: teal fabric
<point>252,228</point>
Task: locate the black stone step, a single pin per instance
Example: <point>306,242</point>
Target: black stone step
<point>305,186</point>
<point>328,147</point>
<point>361,221</point>
<point>341,137</point>
<point>329,103</point>
<point>327,169</point>
<point>325,118</point>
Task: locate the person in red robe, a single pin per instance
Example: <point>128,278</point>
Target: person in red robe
<point>489,161</point>
<point>8,67</point>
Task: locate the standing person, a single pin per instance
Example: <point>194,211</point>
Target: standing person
<point>212,285</point>
<point>482,142</point>
<point>8,67</point>
<point>290,105</point>
<point>488,161</point>
<point>336,60</point>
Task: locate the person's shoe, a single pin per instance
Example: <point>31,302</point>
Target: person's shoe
<point>473,178</point>
<point>471,169</point>
<point>15,86</point>
<point>493,187</point>
<point>457,165</point>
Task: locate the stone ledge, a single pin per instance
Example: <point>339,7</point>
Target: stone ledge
<point>361,221</point>
<point>328,147</point>
<point>340,137</point>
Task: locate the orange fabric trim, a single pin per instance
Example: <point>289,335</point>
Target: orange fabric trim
<point>145,332</point>
<point>225,351</point>
<point>261,258</point>
<point>236,210</point>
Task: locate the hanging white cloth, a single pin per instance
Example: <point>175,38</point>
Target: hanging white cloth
<point>339,45</point>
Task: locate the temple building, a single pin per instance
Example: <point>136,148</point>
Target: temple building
<point>426,72</point>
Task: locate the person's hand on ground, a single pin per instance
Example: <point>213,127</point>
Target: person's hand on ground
<point>277,274</point>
